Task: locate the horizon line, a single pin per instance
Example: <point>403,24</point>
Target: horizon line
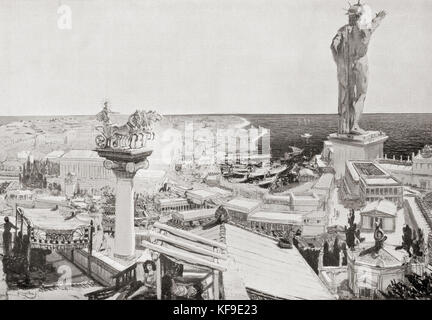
<point>209,114</point>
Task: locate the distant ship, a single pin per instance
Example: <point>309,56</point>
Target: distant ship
<point>294,152</point>
<point>306,135</point>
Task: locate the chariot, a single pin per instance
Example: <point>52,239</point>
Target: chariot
<point>132,135</point>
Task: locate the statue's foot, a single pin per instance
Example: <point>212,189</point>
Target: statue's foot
<point>357,130</point>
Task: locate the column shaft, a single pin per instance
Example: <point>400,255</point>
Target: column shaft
<point>124,245</point>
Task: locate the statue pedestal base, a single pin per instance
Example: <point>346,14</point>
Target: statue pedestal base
<point>343,147</point>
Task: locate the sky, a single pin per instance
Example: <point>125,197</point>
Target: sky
<point>204,56</point>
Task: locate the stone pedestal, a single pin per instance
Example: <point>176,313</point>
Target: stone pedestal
<point>125,164</point>
<point>343,147</point>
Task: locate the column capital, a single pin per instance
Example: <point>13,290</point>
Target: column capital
<point>123,174</point>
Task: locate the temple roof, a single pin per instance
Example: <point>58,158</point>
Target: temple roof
<point>384,206</point>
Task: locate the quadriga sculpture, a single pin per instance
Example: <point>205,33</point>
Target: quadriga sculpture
<point>131,135</point>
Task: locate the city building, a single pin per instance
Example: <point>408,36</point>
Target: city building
<point>190,217</point>
<point>264,220</point>
<point>383,211</point>
<point>172,204</point>
<point>371,273</point>
<point>324,186</point>
<point>222,193</point>
<point>314,223</point>
<point>88,168</point>
<point>54,155</point>
<point>305,201</point>
<point>201,197</point>
<point>10,170</point>
<point>416,171</point>
<point>368,182</point>
<point>240,208</point>
<point>277,202</point>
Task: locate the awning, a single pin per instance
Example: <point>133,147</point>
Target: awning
<point>50,230</point>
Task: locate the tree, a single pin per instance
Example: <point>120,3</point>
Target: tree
<point>108,203</point>
<point>345,256</point>
<point>336,252</point>
<point>416,287</point>
<point>326,254</point>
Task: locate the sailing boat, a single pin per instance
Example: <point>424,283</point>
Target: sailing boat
<point>306,135</point>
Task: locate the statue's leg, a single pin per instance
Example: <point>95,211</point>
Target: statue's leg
<point>344,109</point>
<point>343,99</point>
<point>361,81</point>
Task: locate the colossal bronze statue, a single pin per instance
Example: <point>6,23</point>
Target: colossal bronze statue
<point>349,48</point>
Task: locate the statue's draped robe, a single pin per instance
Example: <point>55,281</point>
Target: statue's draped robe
<point>349,48</point>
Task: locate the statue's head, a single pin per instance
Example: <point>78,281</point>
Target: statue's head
<point>360,15</point>
<point>354,13</point>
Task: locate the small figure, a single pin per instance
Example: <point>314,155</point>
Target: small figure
<point>149,283</point>
<point>407,239</point>
<point>173,290</point>
<point>7,235</point>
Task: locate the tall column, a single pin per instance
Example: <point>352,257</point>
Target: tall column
<point>124,243</point>
<point>124,164</point>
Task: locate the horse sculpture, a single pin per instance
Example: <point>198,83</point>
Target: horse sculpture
<point>148,118</point>
<point>133,134</point>
<point>123,136</point>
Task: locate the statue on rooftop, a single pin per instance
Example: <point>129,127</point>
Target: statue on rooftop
<point>349,48</point>
<point>379,237</point>
<point>352,233</point>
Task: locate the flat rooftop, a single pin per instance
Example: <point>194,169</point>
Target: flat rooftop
<point>396,167</point>
<point>304,196</point>
<point>387,181</point>
<point>192,215</point>
<point>368,169</point>
<point>243,204</point>
<point>276,217</point>
<point>174,201</point>
<point>81,154</point>
<point>201,193</point>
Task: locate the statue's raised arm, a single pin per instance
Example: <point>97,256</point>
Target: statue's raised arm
<point>377,20</point>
